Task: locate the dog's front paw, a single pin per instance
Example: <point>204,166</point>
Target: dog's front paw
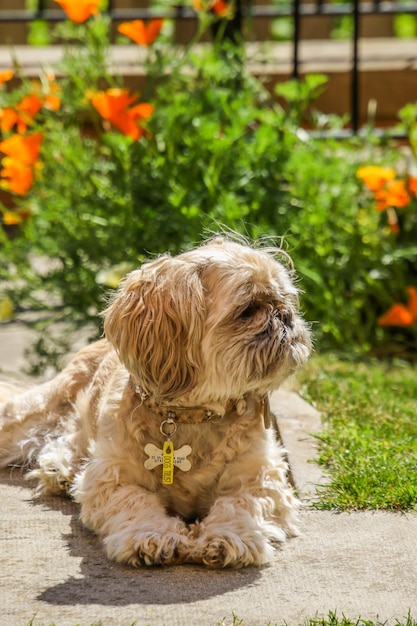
<point>222,552</point>
<point>230,550</point>
<point>157,549</point>
<point>147,548</point>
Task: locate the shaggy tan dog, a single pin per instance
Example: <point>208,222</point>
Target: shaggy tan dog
<point>160,431</point>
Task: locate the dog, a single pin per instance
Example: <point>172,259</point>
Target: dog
<point>160,430</point>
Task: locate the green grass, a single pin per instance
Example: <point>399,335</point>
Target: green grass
<point>332,619</point>
<point>368,447</point>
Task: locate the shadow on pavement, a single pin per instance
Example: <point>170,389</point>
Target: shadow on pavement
<point>106,583</point>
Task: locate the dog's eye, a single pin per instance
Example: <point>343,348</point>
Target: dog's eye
<point>250,310</point>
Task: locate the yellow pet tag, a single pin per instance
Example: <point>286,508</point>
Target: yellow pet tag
<point>168,463</point>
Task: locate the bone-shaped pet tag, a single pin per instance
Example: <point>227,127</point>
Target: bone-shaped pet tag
<point>168,458</point>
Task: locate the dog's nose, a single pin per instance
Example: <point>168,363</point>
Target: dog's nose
<point>286,318</point>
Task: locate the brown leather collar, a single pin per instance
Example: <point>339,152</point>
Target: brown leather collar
<point>198,414</point>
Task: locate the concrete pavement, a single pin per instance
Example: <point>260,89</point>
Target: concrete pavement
<point>54,571</point>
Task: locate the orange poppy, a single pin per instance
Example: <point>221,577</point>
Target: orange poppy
<point>17,177</point>
<point>112,102</point>
<point>126,124</point>
<point>8,118</point>
<point>412,302</point>
<point>22,115</point>
<point>220,8</point>
<point>142,111</point>
<point>11,218</point>
<point>375,177</point>
<point>141,33</point>
<point>29,105</point>
<point>113,106</point>
<point>394,194</point>
<point>412,185</point>
<point>400,314</point>
<point>397,315</point>
<point>6,75</point>
<point>52,100</point>
<point>22,148</point>
<point>397,195</point>
<point>130,125</point>
<point>127,121</point>
<point>380,197</point>
<point>79,10</point>
<point>47,93</point>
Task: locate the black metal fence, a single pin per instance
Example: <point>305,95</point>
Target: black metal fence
<point>298,11</point>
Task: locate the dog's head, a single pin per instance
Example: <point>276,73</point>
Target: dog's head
<point>211,324</point>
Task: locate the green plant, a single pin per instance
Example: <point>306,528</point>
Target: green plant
<point>332,619</point>
<point>111,180</point>
<point>353,266</point>
<point>368,447</point>
<point>96,177</point>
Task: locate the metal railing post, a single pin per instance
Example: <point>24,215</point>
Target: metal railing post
<point>296,39</point>
<point>40,9</point>
<point>355,68</point>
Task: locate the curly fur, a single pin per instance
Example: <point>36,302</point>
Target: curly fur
<point>216,324</point>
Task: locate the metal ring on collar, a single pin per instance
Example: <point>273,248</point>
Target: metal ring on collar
<point>168,427</point>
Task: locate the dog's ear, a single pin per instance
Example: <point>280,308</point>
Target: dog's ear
<point>155,322</point>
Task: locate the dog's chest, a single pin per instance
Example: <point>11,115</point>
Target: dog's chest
<point>200,454</point>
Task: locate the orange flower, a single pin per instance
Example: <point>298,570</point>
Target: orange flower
<point>400,314</point>
<point>412,302</point>
<point>24,149</point>
<point>397,315</point>
<point>79,10</point>
<point>49,93</point>
<point>113,106</point>
<point>393,195</point>
<point>17,176</point>
<point>112,102</point>
<point>29,105</point>
<point>397,195</point>
<point>220,8</point>
<point>22,115</point>
<point>8,118</point>
<point>5,76</point>
<point>52,100</point>
<point>141,33</point>
<point>375,177</point>
<point>11,218</point>
<point>412,185</point>
<point>141,111</point>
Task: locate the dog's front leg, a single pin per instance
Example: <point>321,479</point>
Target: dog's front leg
<point>237,532</point>
<point>131,520</point>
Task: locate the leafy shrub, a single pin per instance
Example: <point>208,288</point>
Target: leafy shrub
<point>98,179</point>
<point>353,266</point>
